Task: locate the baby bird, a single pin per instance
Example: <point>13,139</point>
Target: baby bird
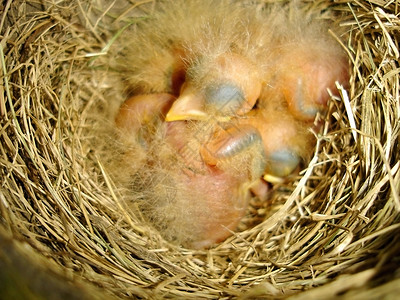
<point>224,95</point>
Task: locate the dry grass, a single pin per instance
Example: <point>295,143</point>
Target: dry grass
<point>334,231</point>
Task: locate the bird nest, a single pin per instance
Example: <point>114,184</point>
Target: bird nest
<point>65,231</point>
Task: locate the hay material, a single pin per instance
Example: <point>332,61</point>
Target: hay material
<point>333,231</point>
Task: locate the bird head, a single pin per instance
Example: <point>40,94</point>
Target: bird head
<point>229,85</point>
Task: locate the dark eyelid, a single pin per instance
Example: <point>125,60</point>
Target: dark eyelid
<point>225,98</point>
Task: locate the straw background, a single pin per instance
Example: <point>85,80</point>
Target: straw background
<point>65,232</point>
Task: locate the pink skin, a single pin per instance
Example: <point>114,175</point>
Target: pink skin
<point>223,196</point>
<point>218,198</point>
<point>305,77</point>
<point>302,82</point>
<point>142,110</point>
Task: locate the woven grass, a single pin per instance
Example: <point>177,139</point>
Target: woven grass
<point>65,231</point>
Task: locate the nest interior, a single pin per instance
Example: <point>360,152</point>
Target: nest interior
<point>66,233</point>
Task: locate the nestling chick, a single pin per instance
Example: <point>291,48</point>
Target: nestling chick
<point>224,97</point>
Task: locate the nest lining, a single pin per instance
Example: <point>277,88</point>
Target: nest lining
<point>331,231</point>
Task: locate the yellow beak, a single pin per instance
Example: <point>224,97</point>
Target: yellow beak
<point>188,106</point>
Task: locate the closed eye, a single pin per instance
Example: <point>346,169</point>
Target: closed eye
<point>225,98</point>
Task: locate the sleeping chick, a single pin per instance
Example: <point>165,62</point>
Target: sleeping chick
<point>224,95</point>
<point>190,201</point>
